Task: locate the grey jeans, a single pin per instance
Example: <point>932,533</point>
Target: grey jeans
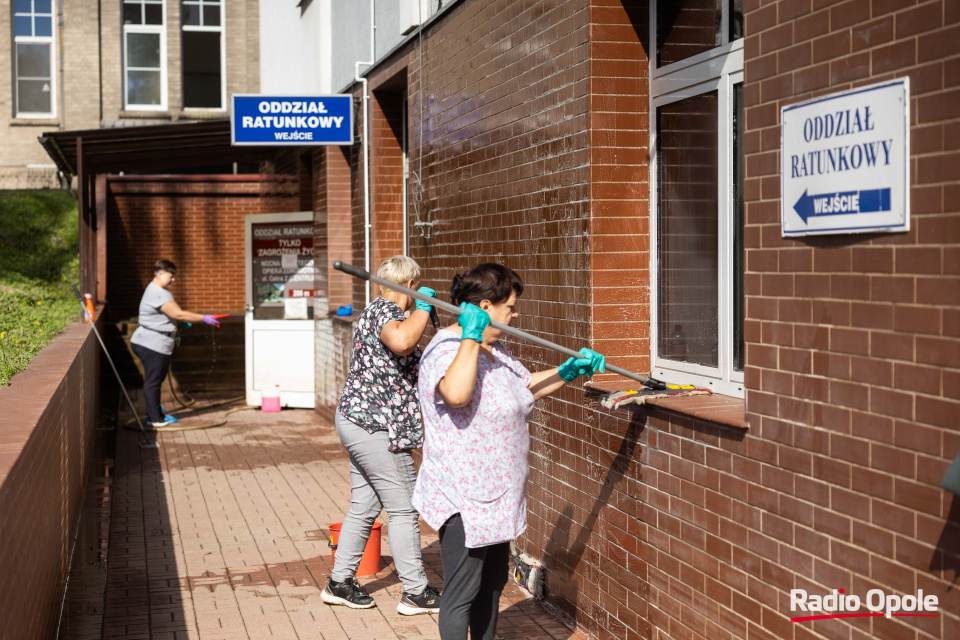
<point>379,480</point>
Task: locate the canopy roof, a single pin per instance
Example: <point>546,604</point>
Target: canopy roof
<point>149,148</point>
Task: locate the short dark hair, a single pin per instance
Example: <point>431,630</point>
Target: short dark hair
<point>164,265</point>
<point>486,281</point>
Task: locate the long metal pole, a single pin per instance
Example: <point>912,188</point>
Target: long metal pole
<point>147,442</point>
<point>356,272</point>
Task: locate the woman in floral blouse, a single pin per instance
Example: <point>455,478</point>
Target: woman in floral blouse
<point>378,421</point>
<point>477,400</point>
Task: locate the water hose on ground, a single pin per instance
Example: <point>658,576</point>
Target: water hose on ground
<point>222,422</point>
<point>173,391</point>
<point>213,405</point>
<point>189,403</point>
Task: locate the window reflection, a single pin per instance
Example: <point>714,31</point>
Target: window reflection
<point>686,28</point>
<point>202,59</point>
<point>33,51</point>
<point>736,19</point>
<point>688,230</point>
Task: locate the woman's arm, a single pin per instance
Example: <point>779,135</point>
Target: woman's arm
<point>457,385</point>
<point>402,336</point>
<point>173,311</point>
<point>544,383</point>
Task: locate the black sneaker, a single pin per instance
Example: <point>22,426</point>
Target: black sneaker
<point>426,602</point>
<point>349,593</point>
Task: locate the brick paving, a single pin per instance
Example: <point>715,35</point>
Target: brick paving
<point>222,533</point>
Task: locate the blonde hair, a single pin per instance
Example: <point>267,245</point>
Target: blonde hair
<point>399,269</point>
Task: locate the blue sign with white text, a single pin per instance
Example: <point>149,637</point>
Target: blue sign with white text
<point>292,120</point>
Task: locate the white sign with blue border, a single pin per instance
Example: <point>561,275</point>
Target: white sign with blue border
<point>845,162</point>
<point>291,120</point>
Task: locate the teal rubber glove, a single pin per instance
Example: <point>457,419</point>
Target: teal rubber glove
<point>589,364</point>
<point>473,320</point>
<point>423,306</point>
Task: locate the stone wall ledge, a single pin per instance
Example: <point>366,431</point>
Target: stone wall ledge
<point>27,398</point>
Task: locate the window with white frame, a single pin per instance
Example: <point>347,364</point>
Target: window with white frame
<point>202,38</point>
<point>696,175</point>
<point>144,55</point>
<point>34,85</point>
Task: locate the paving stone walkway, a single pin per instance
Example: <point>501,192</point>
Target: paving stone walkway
<point>222,533</point>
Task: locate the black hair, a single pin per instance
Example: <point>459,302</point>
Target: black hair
<point>164,265</point>
<point>486,281</point>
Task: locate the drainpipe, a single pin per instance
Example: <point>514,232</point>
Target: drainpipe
<point>60,80</point>
<point>365,148</point>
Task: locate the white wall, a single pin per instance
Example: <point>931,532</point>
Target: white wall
<point>312,49</point>
<point>351,31</point>
<point>295,47</point>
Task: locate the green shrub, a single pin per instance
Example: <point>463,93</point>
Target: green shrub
<point>39,258</point>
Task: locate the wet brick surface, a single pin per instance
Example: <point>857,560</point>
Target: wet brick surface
<point>222,533</point>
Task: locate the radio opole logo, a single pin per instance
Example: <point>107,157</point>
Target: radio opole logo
<point>837,604</point>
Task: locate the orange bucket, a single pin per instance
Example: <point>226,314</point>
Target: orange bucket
<point>370,560</point>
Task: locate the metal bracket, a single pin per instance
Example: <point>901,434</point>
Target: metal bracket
<point>425,228</point>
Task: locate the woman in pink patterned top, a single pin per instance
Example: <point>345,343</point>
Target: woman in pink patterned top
<point>476,401</point>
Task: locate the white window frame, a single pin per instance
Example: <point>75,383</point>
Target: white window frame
<point>161,30</point>
<point>50,40</point>
<point>221,29</point>
<point>717,69</point>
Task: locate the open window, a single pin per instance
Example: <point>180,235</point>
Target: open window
<point>34,79</point>
<point>144,56</point>
<point>696,179</point>
<point>202,59</point>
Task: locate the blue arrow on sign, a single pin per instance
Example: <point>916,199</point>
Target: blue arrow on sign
<point>842,203</point>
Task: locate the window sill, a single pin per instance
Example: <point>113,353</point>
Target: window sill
<point>193,113</point>
<point>162,114</point>
<point>35,122</point>
<point>716,408</point>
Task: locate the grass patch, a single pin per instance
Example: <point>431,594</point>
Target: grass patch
<point>39,258</point>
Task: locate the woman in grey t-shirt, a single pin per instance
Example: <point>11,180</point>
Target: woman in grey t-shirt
<point>153,339</point>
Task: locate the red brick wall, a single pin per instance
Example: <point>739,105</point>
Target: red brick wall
<point>196,223</point>
<point>333,212</point>
<point>853,342</point>
<point>49,414</point>
<point>357,166</point>
<point>339,224</point>
<point>386,135</point>
<point>281,183</point>
<point>506,171</point>
<point>619,173</point>
<point>506,161</point>
<point>652,523</point>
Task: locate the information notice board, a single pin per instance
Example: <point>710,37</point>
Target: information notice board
<point>284,280</point>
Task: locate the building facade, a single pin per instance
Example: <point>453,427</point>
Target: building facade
<point>79,65</point>
<point>624,157</point>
